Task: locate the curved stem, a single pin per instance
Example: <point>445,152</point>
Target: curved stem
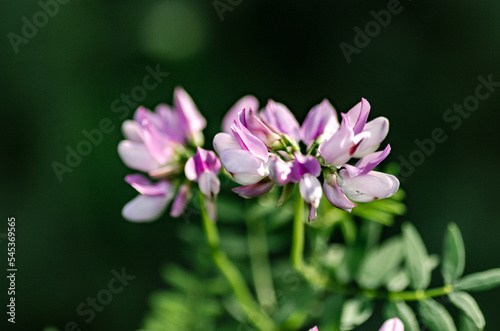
<point>254,313</point>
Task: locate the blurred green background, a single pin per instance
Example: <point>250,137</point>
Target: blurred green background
<point>66,76</point>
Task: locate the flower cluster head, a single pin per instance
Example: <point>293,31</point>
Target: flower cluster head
<point>393,324</point>
<point>164,144</point>
<point>262,149</point>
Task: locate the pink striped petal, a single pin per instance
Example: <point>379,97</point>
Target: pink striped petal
<point>249,142</point>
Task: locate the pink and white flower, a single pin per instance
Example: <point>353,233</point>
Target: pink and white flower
<point>158,143</point>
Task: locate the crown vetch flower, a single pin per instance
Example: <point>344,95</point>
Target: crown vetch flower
<point>359,183</point>
<point>160,143</point>
<point>242,154</point>
<point>263,151</point>
<point>356,138</point>
<point>203,168</point>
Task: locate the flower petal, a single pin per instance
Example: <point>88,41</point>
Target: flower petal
<point>132,131</point>
<point>339,149</point>
<point>247,102</point>
<point>145,208</point>
<point>181,200</point>
<point>251,121</point>
<point>254,190</point>
<point>170,123</point>
<point>249,142</point>
<point>310,189</point>
<point>223,141</point>
<point>279,170</point>
<point>366,188</point>
<point>190,169</point>
<point>393,324</point>
<point>370,161</point>
<point>209,184</point>
<point>335,195</point>
<point>358,115</point>
<point>377,131</point>
<point>192,122</point>
<point>136,156</point>
<point>145,187</point>
<point>281,120</point>
<point>320,121</point>
<point>240,162</point>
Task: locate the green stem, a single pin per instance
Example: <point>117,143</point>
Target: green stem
<point>260,265</point>
<point>419,294</point>
<point>297,255</point>
<point>233,276</point>
<point>321,281</point>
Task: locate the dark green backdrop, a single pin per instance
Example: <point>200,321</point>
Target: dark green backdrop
<point>66,76</point>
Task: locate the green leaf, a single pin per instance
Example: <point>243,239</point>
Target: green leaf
<point>417,259</point>
<point>435,316</point>
<point>286,193</point>
<point>355,312</point>
<point>398,281</point>
<point>402,311</point>
<point>381,263</point>
<point>453,254</point>
<point>466,303</point>
<point>466,324</point>
<point>480,281</point>
<point>368,235</point>
<point>332,312</point>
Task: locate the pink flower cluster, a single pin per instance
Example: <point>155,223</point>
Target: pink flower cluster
<point>162,144</point>
<point>259,149</point>
<point>262,149</point>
